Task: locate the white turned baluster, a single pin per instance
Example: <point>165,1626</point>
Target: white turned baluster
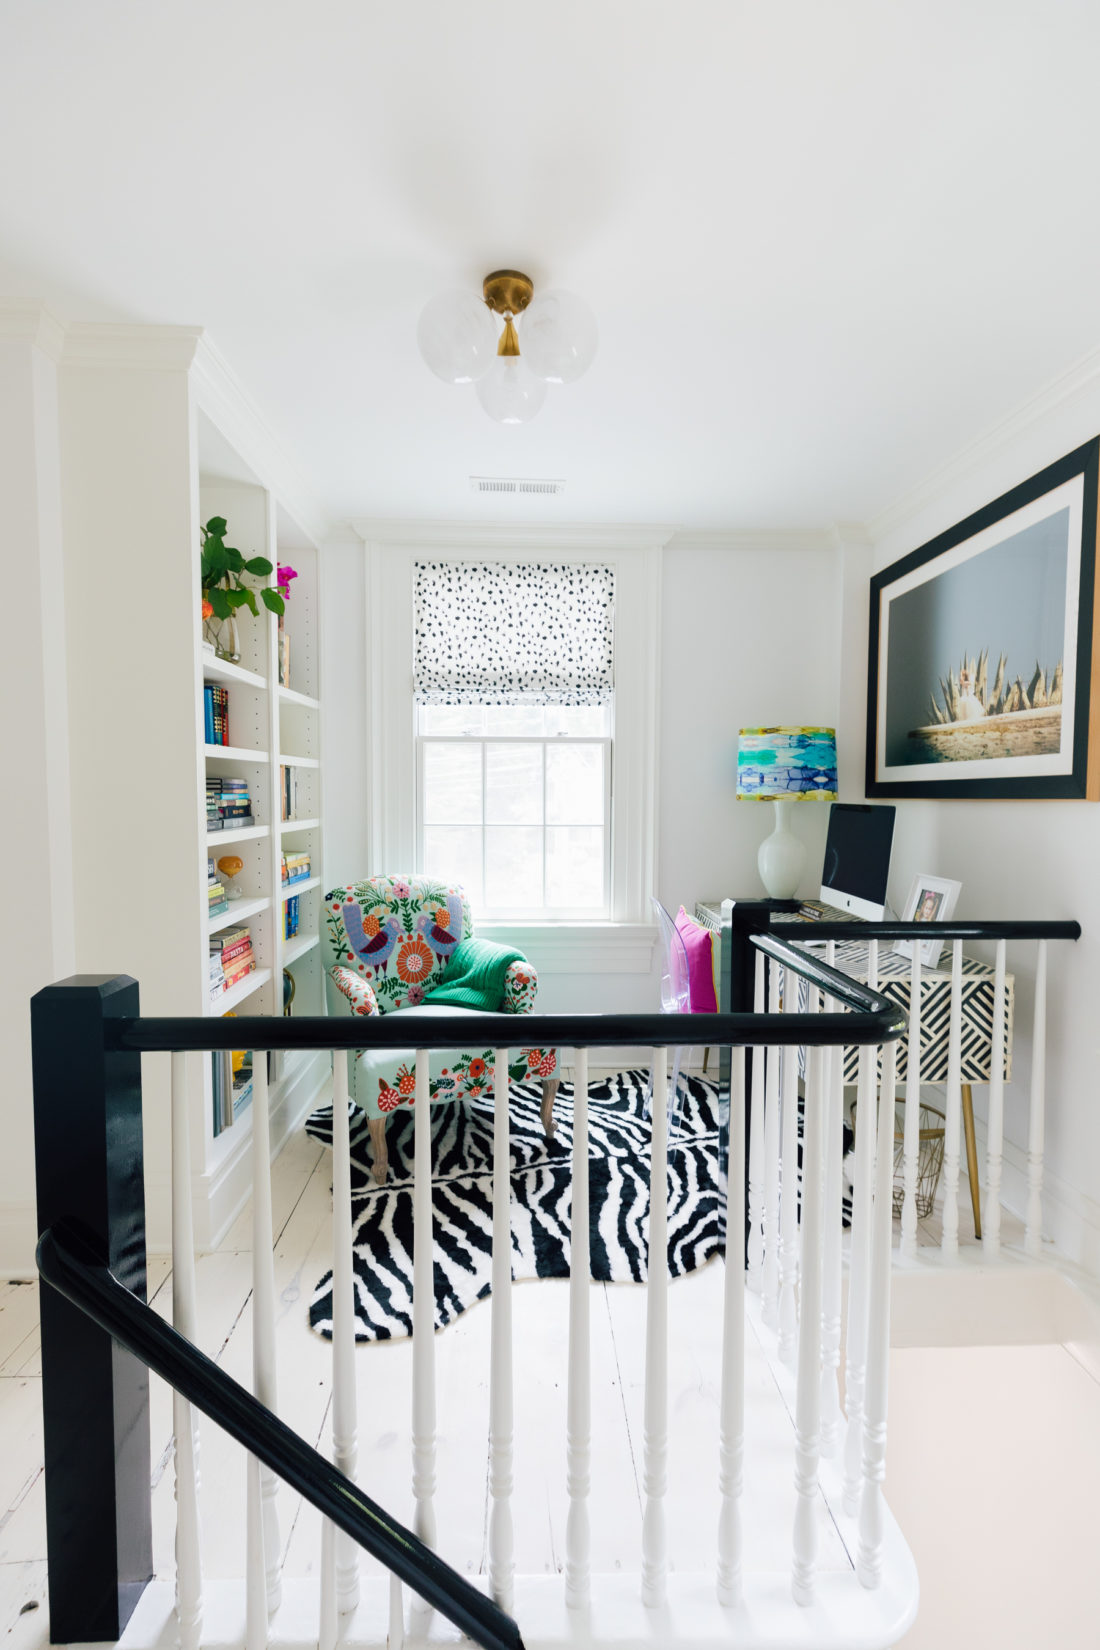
<point>1033,1238</point>
<point>756,1147</point>
<point>326,1634</point>
<point>501,1544</point>
<point>423,1407</point>
<point>396,1637</point>
<point>807,1435</point>
<point>655,1471</point>
<point>255,1592</point>
<point>952,1110</point>
<point>869,1554</point>
<point>788,1212</point>
<point>991,1215</point>
<point>184,1320</point>
<point>859,1259</point>
<point>344,1416</point>
<point>770,1280</point>
<point>911,1140</point>
<point>263,1347</point>
<point>832,1224</point>
<point>578,1559</point>
<point>731,1437</point>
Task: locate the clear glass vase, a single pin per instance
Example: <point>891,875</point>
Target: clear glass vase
<point>224,635</point>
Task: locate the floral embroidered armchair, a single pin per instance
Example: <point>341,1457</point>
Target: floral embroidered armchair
<point>385,943</point>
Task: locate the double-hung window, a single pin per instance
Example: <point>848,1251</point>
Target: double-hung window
<point>513,677</point>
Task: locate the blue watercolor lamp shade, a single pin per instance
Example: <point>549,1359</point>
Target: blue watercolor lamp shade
<point>784,765</point>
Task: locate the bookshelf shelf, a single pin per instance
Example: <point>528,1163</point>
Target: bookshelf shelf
<point>297,825</point>
<point>303,887</point>
<point>298,946</point>
<point>299,761</point>
<point>289,697</point>
<point>221,670</point>
<point>236,753</point>
<point>244,833</point>
<point>239,909</point>
<point>237,993</point>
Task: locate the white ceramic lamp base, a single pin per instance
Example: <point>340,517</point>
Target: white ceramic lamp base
<point>781,856</point>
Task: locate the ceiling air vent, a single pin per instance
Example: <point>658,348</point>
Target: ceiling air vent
<point>514,484</point>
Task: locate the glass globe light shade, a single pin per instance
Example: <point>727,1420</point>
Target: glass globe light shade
<point>457,336</point>
<point>510,392</point>
<point>558,336</point>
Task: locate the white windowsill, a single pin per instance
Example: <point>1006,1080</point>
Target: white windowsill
<point>578,947</point>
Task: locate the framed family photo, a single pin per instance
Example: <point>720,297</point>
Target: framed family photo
<point>931,899</point>
<point>983,649</point>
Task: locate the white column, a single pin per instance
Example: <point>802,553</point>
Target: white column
<point>770,1279</point>
<point>731,1444</point>
<point>859,1260</point>
<point>345,1424</point>
<point>579,1403</point>
<point>952,1110</point>
<point>756,1146</point>
<point>991,1215</point>
<point>788,1217</point>
<point>655,1471</point>
<point>832,1225</point>
<point>423,1404</point>
<point>501,1544</point>
<point>263,1343</point>
<point>1033,1239</point>
<point>807,1438</point>
<point>911,1139</point>
<point>184,1321</point>
<point>869,1553</point>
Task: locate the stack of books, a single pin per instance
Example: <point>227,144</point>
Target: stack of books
<point>215,706</point>
<point>228,804</point>
<point>288,792</point>
<point>218,898</point>
<point>295,866</point>
<point>230,1084</point>
<point>290,917</point>
<point>231,958</point>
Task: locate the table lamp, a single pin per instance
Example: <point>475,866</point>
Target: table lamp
<point>785,765</point>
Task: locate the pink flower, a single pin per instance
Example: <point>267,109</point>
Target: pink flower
<point>283,576</point>
<point>415,995</point>
<point>401,889</point>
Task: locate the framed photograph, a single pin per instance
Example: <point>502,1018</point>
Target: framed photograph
<point>984,647</point>
<point>931,899</point>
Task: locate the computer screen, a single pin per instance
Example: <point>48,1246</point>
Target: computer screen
<point>857,858</point>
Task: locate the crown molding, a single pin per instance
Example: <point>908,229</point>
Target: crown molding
<point>25,318</point>
<point>740,539</point>
<point>220,394</point>
<point>465,535</point>
<point>1082,376</point>
<point>139,348</point>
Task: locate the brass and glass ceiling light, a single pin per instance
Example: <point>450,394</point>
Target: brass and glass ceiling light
<point>464,342</point>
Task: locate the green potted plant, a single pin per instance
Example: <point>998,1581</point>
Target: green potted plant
<point>223,590</point>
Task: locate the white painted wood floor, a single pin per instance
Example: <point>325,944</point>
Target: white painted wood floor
<point>302,1217</point>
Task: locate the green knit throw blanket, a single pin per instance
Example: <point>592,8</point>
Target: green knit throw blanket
<point>474,976</point>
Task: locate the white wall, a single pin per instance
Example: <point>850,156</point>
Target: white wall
<point>1026,859</point>
<point>37,836</point>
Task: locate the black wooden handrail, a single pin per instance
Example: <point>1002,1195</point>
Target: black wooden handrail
<point>809,933</point>
<point>69,1264</point>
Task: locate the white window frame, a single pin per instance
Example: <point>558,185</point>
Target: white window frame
<point>623,941</point>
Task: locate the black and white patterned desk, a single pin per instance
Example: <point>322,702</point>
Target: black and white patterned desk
<point>895,980</point>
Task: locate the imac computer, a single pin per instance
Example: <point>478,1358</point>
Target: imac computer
<point>857,859</point>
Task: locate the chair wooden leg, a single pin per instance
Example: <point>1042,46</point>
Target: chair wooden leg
<point>550,1088</point>
<point>972,1157</point>
<point>380,1167</point>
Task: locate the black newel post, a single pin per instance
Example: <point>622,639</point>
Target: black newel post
<point>95,1396</point>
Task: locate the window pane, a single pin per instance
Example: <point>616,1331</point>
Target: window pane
<point>580,721</point>
<point>574,867</point>
<point>513,867</point>
<point>452,784</point>
<point>513,784</point>
<point>453,854</point>
<point>449,721</point>
<point>527,721</point>
<point>574,784</point>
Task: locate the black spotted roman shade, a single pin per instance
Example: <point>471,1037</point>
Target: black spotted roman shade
<point>511,633</point>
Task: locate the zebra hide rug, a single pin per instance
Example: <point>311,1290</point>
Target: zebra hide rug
<point>462,1156</point>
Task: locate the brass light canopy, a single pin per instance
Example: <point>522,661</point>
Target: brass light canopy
<point>508,292</point>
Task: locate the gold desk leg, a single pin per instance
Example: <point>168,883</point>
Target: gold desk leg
<point>706,1057</point>
<point>972,1157</point>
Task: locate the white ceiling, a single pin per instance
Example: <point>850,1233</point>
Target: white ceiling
<point>828,243</point>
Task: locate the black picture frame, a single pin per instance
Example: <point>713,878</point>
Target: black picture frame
<point>1053,750</point>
